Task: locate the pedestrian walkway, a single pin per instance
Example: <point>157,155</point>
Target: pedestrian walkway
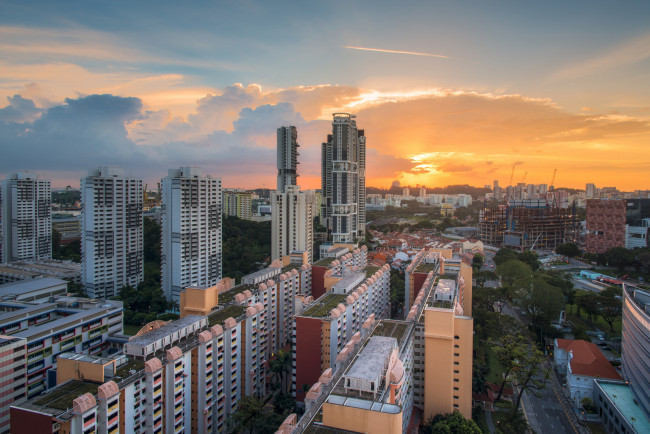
<point>567,406</point>
<point>489,422</point>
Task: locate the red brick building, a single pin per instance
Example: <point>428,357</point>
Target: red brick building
<point>605,225</point>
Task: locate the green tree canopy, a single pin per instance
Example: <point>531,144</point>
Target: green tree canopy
<point>570,250</point>
<point>451,423</point>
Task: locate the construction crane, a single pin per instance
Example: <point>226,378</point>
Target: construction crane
<point>552,180</point>
<point>512,175</point>
<point>524,177</point>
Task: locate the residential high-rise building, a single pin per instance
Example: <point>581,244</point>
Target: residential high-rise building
<point>590,191</point>
<point>287,157</point>
<point>26,218</point>
<point>191,231</point>
<point>292,222</point>
<point>605,224</point>
<point>237,203</point>
<point>111,232</point>
<point>343,180</point>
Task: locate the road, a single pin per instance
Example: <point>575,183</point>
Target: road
<point>550,412</point>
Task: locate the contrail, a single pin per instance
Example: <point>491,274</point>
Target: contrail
<point>381,50</point>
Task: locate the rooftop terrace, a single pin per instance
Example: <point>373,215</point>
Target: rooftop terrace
<point>219,316</point>
<point>425,268</point>
<point>324,305</point>
<point>325,262</point>
<point>124,370</point>
<point>62,396</point>
<point>370,270</point>
<point>228,296</point>
<point>392,329</point>
<point>623,398</point>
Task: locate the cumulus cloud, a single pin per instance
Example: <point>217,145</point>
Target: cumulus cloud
<point>432,138</point>
<point>19,110</point>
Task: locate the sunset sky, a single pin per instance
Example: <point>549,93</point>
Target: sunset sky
<point>447,92</point>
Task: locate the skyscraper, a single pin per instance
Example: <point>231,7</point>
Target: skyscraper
<point>111,232</point>
<point>191,231</point>
<point>26,218</point>
<point>343,180</point>
<point>287,157</point>
<point>292,224</point>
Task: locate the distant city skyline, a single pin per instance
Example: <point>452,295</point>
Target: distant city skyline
<point>447,93</point>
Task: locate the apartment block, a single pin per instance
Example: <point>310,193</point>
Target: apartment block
<point>111,232</point>
<point>323,329</point>
<point>343,180</point>
<point>605,225</point>
<point>13,374</point>
<point>191,231</point>
<point>337,258</point>
<point>237,203</point>
<point>287,158</point>
<point>26,270</point>
<point>372,392</point>
<point>292,222</point>
<point>26,218</point>
<point>416,273</point>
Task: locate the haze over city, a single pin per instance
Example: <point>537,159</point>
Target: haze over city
<point>446,93</point>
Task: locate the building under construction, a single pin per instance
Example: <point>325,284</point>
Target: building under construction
<point>527,225</point>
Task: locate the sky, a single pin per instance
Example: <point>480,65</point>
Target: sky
<point>447,92</point>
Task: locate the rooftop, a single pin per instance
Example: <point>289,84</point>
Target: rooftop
<point>325,262</point>
<point>392,329</point>
<point>588,359</point>
<point>227,296</point>
<point>61,397</point>
<point>124,370</point>
<point>322,307</point>
<point>371,361</point>
<point>167,329</point>
<point>219,316</point>
<point>622,397</point>
<point>370,270</point>
<point>425,268</point>
<point>25,286</point>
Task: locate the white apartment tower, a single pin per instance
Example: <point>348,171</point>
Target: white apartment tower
<point>191,231</point>
<point>292,224</point>
<point>287,157</point>
<point>343,180</point>
<point>111,232</point>
<point>26,218</point>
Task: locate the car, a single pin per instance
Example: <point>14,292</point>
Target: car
<point>602,344</point>
<point>607,349</point>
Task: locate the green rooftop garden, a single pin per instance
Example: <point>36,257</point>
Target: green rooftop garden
<point>61,398</point>
<point>290,267</point>
<point>228,296</point>
<point>322,308</point>
<point>218,317</point>
<point>425,268</point>
<point>391,329</point>
<point>448,276</point>
<point>370,270</point>
<point>123,371</point>
<point>325,262</point>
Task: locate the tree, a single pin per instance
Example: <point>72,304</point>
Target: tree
<point>397,294</point>
<point>509,350</point>
<point>560,280</point>
<point>477,262</point>
<point>530,374</point>
<point>248,411</point>
<point>531,258</point>
<point>609,309</point>
<point>620,257</point>
<point>570,250</point>
<point>504,255</point>
<point>542,302</point>
<point>280,366</point>
<point>451,423</point>
<point>587,302</point>
<point>151,240</point>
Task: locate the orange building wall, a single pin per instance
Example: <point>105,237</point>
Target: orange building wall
<point>361,420</point>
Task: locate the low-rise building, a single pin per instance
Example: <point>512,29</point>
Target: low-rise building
<point>582,362</point>
<point>24,270</point>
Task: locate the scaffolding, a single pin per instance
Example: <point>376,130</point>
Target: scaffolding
<point>528,225</point>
